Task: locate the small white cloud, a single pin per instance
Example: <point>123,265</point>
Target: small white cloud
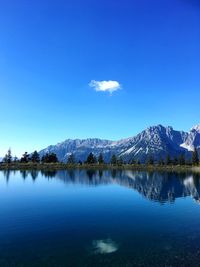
<point>104,246</point>
<point>105,86</point>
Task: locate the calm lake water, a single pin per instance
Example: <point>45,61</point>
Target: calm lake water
<point>99,218</point>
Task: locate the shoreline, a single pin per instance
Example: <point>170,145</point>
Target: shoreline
<point>62,166</point>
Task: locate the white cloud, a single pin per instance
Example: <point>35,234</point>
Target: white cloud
<point>105,86</point>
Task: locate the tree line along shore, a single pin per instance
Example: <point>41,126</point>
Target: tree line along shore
<point>50,161</point>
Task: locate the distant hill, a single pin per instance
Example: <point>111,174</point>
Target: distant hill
<point>157,141</point>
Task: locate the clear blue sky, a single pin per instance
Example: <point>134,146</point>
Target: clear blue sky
<point>51,50</point>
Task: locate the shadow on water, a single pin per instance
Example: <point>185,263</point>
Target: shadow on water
<point>156,186</point>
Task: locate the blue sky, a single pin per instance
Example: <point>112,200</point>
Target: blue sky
<point>51,50</point>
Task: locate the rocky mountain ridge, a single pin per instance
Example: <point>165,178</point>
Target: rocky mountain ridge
<point>155,140</point>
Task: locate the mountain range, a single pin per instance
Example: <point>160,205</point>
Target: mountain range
<point>157,141</point>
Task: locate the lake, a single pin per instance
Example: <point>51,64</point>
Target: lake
<point>99,218</point>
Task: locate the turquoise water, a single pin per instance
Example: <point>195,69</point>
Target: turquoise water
<point>99,218</point>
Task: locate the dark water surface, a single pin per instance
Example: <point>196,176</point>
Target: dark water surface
<point>99,218</point>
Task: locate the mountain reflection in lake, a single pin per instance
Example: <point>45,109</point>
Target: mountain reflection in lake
<point>99,218</point>
<point>155,186</point>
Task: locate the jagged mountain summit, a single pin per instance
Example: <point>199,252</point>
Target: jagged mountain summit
<point>193,139</point>
<point>155,140</point>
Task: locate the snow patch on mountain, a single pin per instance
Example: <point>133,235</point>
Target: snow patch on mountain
<point>187,147</point>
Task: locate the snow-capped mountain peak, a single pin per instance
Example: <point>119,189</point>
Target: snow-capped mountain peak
<point>157,141</point>
<point>196,128</point>
<point>193,139</point>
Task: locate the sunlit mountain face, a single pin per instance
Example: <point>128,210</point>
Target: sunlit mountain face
<point>157,141</point>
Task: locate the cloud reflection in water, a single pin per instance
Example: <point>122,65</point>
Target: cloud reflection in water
<point>104,246</point>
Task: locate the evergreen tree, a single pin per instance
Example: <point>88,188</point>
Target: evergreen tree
<point>49,158</point>
<point>35,157</point>
<point>161,161</point>
<point>15,159</point>
<point>120,161</point>
<point>113,160</point>
<point>195,157</point>
<point>168,160</point>
<point>91,159</point>
<point>181,160</point>
<point>100,159</point>
<point>53,158</point>
<point>133,162</point>
<point>175,161</point>
<point>44,157</point>
<point>8,157</point>
<point>5,159</point>
<point>150,160</point>
<point>25,157</point>
<point>71,159</point>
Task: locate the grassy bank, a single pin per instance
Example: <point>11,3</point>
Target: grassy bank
<point>62,166</point>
